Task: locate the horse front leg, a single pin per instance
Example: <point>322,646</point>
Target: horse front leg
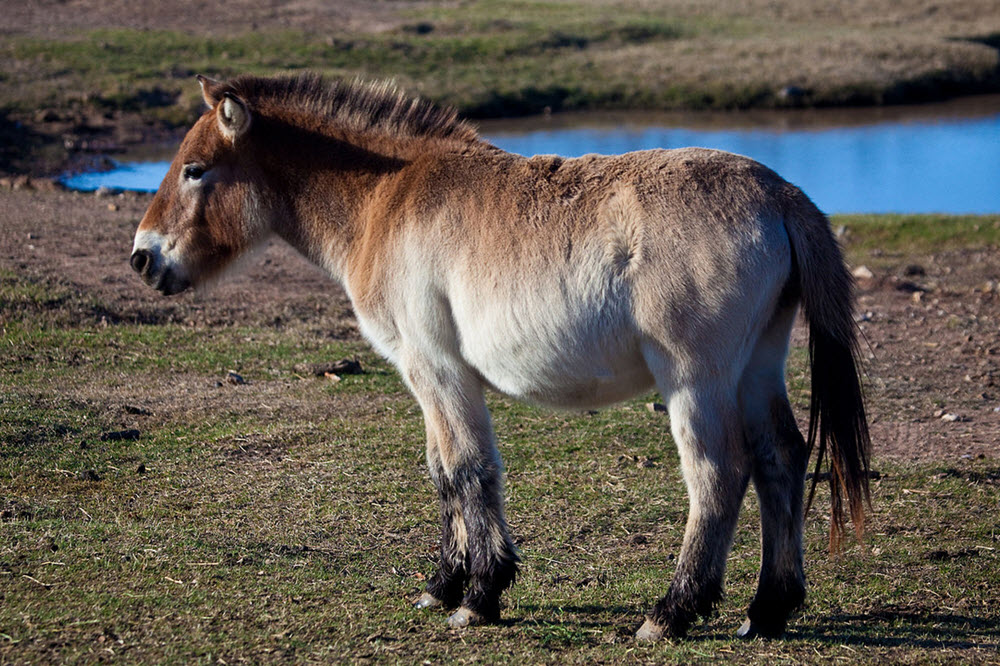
<point>716,471</point>
<point>478,558</point>
<point>447,586</point>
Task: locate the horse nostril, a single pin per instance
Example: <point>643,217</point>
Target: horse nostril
<point>141,259</point>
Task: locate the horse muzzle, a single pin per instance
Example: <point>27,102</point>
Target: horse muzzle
<point>155,272</point>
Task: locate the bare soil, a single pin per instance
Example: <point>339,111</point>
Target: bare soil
<point>930,321</point>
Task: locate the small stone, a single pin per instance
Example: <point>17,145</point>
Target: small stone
<point>950,418</point>
<point>113,207</point>
<point>917,296</point>
<point>343,367</point>
<point>48,185</point>
<point>862,273</point>
<point>347,367</point>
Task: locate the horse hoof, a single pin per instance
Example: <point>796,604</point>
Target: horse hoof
<point>465,617</point>
<point>747,630</point>
<point>750,630</point>
<point>427,600</point>
<point>650,632</point>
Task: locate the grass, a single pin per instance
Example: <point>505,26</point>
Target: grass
<point>290,519</point>
<point>127,70</point>
<point>900,235</point>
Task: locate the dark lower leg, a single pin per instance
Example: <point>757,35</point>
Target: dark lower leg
<point>447,585</point>
<point>716,471</point>
<point>688,598</point>
<point>491,554</point>
<point>779,477</point>
<point>478,559</point>
<point>697,584</point>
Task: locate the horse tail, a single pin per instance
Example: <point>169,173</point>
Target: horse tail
<point>837,418</point>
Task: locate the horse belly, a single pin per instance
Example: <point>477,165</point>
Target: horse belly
<point>579,366</point>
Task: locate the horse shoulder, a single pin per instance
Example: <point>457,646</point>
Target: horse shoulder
<point>405,238</point>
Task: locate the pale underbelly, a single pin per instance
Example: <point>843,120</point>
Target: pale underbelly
<point>567,381</point>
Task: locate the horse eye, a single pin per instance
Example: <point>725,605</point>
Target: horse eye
<point>193,172</point>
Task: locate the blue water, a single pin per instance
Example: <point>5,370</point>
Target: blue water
<point>136,176</point>
<point>948,165</point>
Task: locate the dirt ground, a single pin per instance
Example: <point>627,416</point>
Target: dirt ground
<point>931,322</point>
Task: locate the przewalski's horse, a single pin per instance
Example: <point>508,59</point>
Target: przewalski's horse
<point>574,283</point>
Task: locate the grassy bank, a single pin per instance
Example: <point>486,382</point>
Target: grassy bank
<point>561,56</point>
<point>152,512</point>
<point>491,59</point>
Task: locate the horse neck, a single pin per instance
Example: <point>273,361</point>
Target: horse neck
<point>327,181</point>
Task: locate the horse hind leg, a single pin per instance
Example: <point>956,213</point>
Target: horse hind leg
<point>705,423</point>
<point>780,457</point>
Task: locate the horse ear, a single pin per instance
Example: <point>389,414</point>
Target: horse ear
<point>209,90</point>
<point>234,117</point>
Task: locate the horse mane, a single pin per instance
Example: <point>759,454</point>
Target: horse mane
<point>358,106</point>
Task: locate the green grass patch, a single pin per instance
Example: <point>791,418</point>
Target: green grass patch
<point>455,63</point>
<point>537,55</point>
<point>916,234</point>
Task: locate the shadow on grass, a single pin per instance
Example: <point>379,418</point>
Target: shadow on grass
<point>886,629</point>
<point>550,622</point>
<point>891,628</point>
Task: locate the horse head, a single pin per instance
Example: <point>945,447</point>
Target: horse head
<point>207,211</point>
